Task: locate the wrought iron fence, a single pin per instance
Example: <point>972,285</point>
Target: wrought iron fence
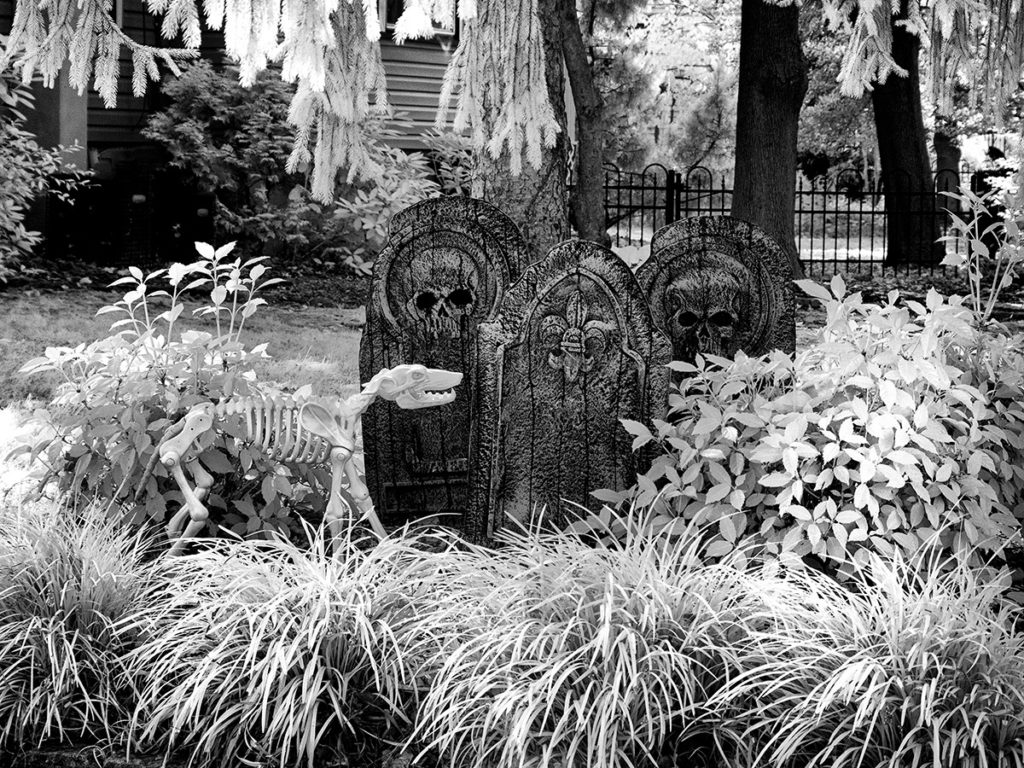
<point>840,222</point>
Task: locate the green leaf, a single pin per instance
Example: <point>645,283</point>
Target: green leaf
<point>813,289</point>
<point>641,433</point>
<point>267,489</point>
<point>216,462</point>
<point>776,479</point>
<point>717,493</point>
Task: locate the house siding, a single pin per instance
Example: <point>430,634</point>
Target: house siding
<point>415,72</point>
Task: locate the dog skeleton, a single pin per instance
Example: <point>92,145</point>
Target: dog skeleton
<point>298,430</point>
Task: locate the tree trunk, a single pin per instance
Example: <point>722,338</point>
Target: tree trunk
<point>588,198</point>
<point>947,169</point>
<point>773,81</point>
<point>536,200</point>
<point>911,214</point>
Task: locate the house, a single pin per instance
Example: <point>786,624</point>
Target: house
<point>414,70</point>
<point>142,219</point>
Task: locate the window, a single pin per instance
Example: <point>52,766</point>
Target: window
<point>390,10</point>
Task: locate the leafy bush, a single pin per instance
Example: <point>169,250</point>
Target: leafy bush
<point>454,161</point>
<point>234,142</point>
<point>261,651</point>
<point>66,579</point>
<point>121,393</point>
<point>898,422</point>
<point>29,171</point>
<point>918,663</point>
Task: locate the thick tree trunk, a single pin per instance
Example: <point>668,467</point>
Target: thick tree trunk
<point>911,213</point>
<point>588,198</point>
<point>773,81</point>
<point>536,200</point>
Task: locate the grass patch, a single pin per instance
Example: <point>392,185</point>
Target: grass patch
<point>308,345</point>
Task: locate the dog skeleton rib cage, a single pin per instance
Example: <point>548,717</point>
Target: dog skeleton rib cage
<point>299,430</point>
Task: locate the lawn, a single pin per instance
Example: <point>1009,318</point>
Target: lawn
<point>308,345</point>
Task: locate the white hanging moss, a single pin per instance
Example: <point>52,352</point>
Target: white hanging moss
<point>331,118</point>
<point>976,42</point>
<point>329,48</point>
<point>498,71</point>
<point>45,35</point>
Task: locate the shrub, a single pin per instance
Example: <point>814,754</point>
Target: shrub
<point>29,171</point>
<point>66,579</point>
<point>454,161</point>
<point>897,423</point>
<point>121,393</point>
<point>918,663</point>
<point>235,141</point>
<point>260,651</point>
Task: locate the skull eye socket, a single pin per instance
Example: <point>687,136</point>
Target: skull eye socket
<point>721,319</point>
<point>426,300</point>
<point>461,297</point>
<point>688,318</point>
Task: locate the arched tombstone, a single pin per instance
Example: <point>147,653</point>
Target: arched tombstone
<point>444,269</point>
<point>717,285</point>
<point>572,352</point>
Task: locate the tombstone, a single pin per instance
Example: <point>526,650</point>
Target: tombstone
<point>717,285</point>
<point>572,351</point>
<point>444,269</point>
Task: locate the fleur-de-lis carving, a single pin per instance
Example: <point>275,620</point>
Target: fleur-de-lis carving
<point>575,343</point>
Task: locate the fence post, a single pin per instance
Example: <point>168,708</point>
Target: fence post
<point>670,196</point>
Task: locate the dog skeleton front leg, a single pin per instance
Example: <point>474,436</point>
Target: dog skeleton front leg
<point>361,495</point>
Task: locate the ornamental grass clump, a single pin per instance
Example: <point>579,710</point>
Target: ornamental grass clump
<point>262,651</point>
<point>606,657</point>
<point>917,662</point>
<point>66,579</point>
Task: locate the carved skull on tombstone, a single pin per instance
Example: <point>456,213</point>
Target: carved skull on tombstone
<point>705,308</point>
<point>443,291</point>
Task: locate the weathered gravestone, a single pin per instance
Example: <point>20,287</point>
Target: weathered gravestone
<point>572,351</point>
<point>717,285</point>
<point>444,270</point>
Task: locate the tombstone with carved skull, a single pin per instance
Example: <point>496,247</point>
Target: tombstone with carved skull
<point>718,285</point>
<point>443,271</point>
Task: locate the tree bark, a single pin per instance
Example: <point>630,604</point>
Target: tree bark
<point>911,213</point>
<point>587,200</point>
<point>947,169</point>
<point>536,200</point>
<point>772,84</point>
